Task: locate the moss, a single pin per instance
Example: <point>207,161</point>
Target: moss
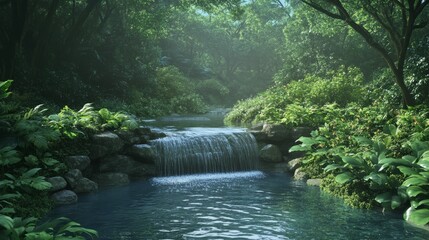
<point>355,193</point>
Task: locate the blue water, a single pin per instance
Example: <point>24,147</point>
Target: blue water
<point>249,205</point>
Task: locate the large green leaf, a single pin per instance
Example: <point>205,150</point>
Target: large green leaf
<point>415,180</point>
<point>384,197</point>
<point>299,148</point>
<point>333,167</point>
<point>419,216</point>
<point>30,172</point>
<point>40,184</point>
<point>344,177</point>
<point>424,163</point>
<point>407,171</point>
<point>414,191</point>
<point>6,222</point>
<point>396,201</point>
<point>379,178</point>
<point>355,162</point>
<point>395,162</point>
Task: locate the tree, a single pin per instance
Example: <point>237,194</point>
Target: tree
<point>376,19</point>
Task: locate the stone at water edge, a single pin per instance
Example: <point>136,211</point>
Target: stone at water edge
<point>105,143</point>
<point>73,176</point>
<point>111,179</point>
<point>142,153</point>
<point>80,162</point>
<point>300,175</point>
<point>84,185</point>
<point>129,137</point>
<point>64,197</point>
<point>294,164</point>
<point>314,182</point>
<point>57,183</point>
<point>270,153</point>
<point>276,132</point>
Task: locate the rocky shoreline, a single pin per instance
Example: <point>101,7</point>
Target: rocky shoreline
<point>274,142</point>
<point>114,159</point>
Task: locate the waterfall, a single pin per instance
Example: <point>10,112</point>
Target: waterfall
<point>206,150</point>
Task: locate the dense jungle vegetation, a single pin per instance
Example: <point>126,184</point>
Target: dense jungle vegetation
<point>357,72</point>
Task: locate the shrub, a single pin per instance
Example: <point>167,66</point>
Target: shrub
<point>302,103</point>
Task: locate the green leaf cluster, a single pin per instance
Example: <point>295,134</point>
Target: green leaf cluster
<point>307,102</point>
<point>374,159</point>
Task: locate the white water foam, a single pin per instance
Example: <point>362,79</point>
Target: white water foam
<point>203,177</point>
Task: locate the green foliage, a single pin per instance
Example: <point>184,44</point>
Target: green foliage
<point>25,228</point>
<point>4,87</point>
<point>72,124</point>
<point>373,159</point>
<point>309,102</point>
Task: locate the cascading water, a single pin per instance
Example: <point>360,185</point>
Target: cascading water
<point>206,150</point>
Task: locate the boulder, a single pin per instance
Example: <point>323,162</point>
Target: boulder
<point>57,183</point>
<point>276,132</point>
<point>105,143</point>
<point>270,153</point>
<point>111,179</point>
<point>98,151</point>
<point>73,176</point>
<point>298,132</point>
<point>142,153</point>
<point>84,185</point>
<point>64,197</point>
<point>294,164</point>
<point>259,135</point>
<point>257,127</point>
<point>314,182</point>
<point>129,137</point>
<point>300,175</point>
<point>77,162</point>
<point>127,165</point>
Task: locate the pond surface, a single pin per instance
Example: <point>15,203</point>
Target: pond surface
<point>247,205</point>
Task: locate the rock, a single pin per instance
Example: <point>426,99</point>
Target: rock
<point>127,165</point>
<point>276,132</point>
<point>143,130</point>
<point>57,183</point>
<point>300,175</point>
<point>64,197</point>
<point>73,176</point>
<point>257,127</point>
<point>97,151</point>
<point>84,185</point>
<point>294,164</point>
<point>156,135</point>
<point>314,182</point>
<point>129,137</point>
<point>142,153</point>
<point>77,162</point>
<point>105,143</point>
<point>111,179</point>
<point>270,153</point>
<point>259,135</point>
<point>298,132</point>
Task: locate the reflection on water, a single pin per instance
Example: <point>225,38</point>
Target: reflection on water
<point>248,205</point>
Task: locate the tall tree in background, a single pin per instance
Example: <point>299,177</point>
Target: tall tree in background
<point>396,19</point>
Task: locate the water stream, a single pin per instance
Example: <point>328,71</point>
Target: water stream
<point>239,205</point>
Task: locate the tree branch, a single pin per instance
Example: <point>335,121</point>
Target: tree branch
<point>321,9</point>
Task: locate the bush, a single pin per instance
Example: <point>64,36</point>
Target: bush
<point>302,103</point>
<point>374,157</point>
